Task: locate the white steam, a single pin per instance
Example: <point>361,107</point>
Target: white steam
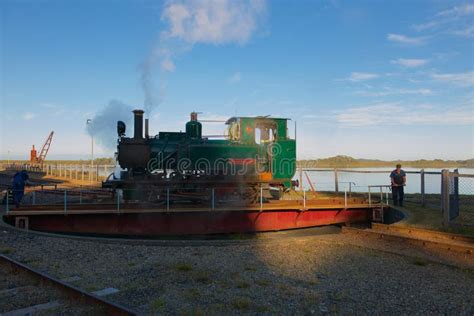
<point>103,126</point>
<point>190,22</point>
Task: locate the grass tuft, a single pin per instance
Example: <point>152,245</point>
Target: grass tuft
<point>183,267</point>
<point>420,262</point>
<point>242,285</point>
<point>262,282</point>
<point>241,303</point>
<point>202,277</point>
<point>6,250</point>
<point>158,304</point>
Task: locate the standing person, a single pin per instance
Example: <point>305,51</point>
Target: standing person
<point>19,181</point>
<point>399,179</point>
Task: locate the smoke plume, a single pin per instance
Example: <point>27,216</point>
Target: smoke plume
<point>190,22</point>
<point>103,126</point>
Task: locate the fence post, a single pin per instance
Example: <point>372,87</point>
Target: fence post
<point>34,197</point>
<point>336,181</point>
<point>118,201</point>
<point>65,202</point>
<point>370,199</point>
<point>381,196</point>
<point>301,178</point>
<point>345,197</point>
<point>167,199</point>
<point>422,189</point>
<point>82,172</point>
<point>213,198</point>
<point>261,198</point>
<point>304,200</point>
<point>445,195</point>
<point>454,195</point>
<point>7,208</point>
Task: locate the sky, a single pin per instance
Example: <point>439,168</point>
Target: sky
<point>367,79</point>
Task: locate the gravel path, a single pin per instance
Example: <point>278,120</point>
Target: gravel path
<point>336,274</point>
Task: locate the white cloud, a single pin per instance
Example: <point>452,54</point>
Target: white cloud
<point>455,21</point>
<point>362,76</point>
<point>213,21</point>
<point>466,32</point>
<point>235,78</point>
<point>464,79</point>
<point>410,63</point>
<point>462,10</point>
<point>390,91</point>
<point>48,105</point>
<point>399,38</point>
<point>367,115</point>
<point>27,116</point>
<point>396,114</point>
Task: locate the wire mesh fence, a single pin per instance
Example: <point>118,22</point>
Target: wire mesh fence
<point>458,200</point>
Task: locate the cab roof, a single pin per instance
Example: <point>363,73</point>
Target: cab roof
<point>261,118</point>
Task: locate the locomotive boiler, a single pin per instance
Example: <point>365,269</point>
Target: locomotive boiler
<point>255,155</point>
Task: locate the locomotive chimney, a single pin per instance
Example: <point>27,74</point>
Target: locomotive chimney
<point>146,128</point>
<point>138,124</point>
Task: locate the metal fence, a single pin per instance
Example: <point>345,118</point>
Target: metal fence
<point>457,198</point>
<point>81,172</point>
<point>173,198</point>
<point>423,187</point>
<point>451,193</point>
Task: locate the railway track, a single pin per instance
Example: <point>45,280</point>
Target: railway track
<point>416,236</point>
<point>26,291</point>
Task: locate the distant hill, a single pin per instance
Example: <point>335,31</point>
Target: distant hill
<point>350,162</point>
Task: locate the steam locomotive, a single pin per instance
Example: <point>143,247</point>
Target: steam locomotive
<point>255,155</point>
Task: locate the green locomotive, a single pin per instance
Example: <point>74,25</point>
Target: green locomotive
<point>255,154</point>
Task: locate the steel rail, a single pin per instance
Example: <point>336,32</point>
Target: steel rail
<point>72,291</point>
<point>422,237</point>
<point>423,233</point>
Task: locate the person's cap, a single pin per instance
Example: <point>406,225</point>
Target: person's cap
<point>399,165</point>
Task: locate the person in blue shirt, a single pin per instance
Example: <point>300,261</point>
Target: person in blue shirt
<point>399,179</point>
<point>20,179</point>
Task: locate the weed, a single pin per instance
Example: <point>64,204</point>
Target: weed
<point>262,308</point>
<point>241,303</point>
<point>183,267</point>
<point>158,304</point>
<point>202,277</point>
<point>420,262</point>
<point>192,294</point>
<point>6,250</point>
<point>262,282</point>
<point>312,282</point>
<point>242,285</point>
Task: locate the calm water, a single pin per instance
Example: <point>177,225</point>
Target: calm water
<point>324,180</point>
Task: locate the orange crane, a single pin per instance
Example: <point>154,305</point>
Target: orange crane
<point>44,151</point>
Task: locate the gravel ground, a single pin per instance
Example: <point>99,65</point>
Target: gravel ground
<point>328,274</point>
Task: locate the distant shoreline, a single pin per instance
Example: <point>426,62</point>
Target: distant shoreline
<point>349,162</point>
<point>331,162</point>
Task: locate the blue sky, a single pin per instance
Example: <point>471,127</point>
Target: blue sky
<point>361,78</point>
